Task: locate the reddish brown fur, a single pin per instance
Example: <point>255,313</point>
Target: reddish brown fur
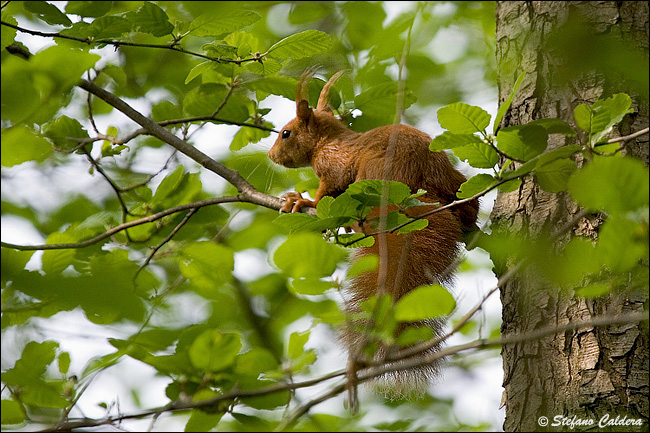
<point>340,156</point>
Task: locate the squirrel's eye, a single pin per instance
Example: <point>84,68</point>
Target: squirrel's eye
<point>286,133</point>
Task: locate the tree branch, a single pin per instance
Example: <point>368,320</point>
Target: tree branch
<point>247,192</point>
<point>116,229</point>
<point>373,372</point>
<point>364,374</point>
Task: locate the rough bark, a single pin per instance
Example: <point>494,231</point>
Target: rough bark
<point>587,373</point>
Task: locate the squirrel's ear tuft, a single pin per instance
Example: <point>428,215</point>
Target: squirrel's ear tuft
<point>303,111</point>
<point>323,100</point>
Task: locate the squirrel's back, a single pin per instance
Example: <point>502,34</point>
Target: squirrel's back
<point>401,153</point>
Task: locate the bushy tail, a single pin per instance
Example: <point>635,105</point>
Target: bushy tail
<point>406,261</point>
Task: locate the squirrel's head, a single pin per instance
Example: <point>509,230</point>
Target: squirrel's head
<point>299,138</point>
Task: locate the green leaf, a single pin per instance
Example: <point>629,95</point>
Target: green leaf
<point>378,104</point>
<point>13,262</point>
<point>546,158</point>
<point>45,395</point>
<point>461,118</point>
<point>346,206</point>
<point>300,358</point>
<point>275,85</point>
<point>99,363</point>
<point>475,184</point>
<point>165,110</point>
<point>220,50</point>
<point>205,99</point>
<point>55,261</point>
<point>202,421</point>
<point>363,264</point>
<point>169,184</point>
<point>355,240</point>
<point>48,13</point>
<point>310,286</point>
<point>323,207</point>
<point>297,221</point>
<point>247,135</point>
<point>522,142</point>
<point>64,362</point>
<point>297,341</point>
<point>621,244</point>
<point>21,144</point>
<point>450,140</point>
<point>364,22</point>
<point>20,98</point>
<point>599,119</point>
<point>478,155</point>
<point>425,302</point>
<point>615,185</point>
<point>269,401</point>
<point>36,89</point>
<point>307,255</point>
<point>510,186</point>
<point>302,13</point>
<point>553,177</point>
<point>12,412</point>
<point>504,107</point>
<point>116,73</point>
<point>303,361</point>
<point>214,351</point>
<point>59,130</point>
<point>208,265</point>
<point>370,192</point>
<point>595,290</point>
<point>109,27</point>
<point>32,363</point>
<point>299,45</point>
<point>49,62</point>
<point>266,67</point>
<point>107,294</point>
<point>412,335</point>
<point>255,362</point>
<point>90,9</point>
<point>554,126</point>
<point>219,24</point>
<point>7,33</point>
<point>150,18</point>
<point>583,114</point>
<point>416,225</point>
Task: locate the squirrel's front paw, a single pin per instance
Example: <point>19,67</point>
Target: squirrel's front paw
<point>293,202</point>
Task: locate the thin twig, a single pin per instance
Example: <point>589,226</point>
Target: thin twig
<point>114,187</point>
<point>627,137</point>
<point>167,239</point>
<point>89,41</point>
<point>436,210</point>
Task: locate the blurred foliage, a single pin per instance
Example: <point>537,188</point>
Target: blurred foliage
<point>184,59</point>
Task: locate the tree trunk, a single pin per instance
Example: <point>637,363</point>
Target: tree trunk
<point>587,373</point>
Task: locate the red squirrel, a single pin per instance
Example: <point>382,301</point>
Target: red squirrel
<point>341,156</point>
